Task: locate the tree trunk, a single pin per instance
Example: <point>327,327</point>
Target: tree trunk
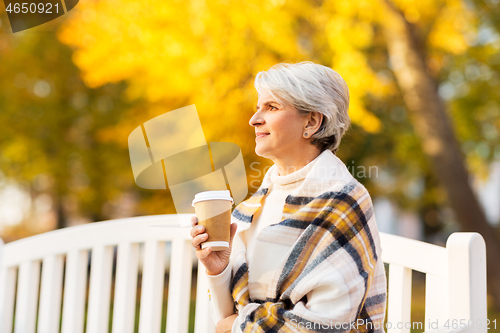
<point>62,221</point>
<point>433,126</point>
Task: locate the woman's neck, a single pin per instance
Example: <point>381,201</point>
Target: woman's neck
<point>289,164</point>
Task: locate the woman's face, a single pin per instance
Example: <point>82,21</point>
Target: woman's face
<point>279,128</point>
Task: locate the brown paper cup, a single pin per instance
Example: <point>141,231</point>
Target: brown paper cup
<point>213,210</point>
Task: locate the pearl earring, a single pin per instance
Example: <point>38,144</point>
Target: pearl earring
<point>305,135</point>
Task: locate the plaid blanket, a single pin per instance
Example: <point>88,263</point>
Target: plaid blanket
<point>330,219</point>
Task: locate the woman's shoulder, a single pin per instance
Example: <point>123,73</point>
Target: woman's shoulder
<point>345,187</point>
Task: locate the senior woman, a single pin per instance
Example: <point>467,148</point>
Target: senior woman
<point>305,251</point>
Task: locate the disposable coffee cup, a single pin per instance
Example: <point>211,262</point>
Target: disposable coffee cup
<point>213,210</point>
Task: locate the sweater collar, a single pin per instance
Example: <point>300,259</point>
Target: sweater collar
<point>326,167</point>
<point>291,177</point>
<point>326,174</point>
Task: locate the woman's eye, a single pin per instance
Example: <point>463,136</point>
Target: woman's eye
<point>272,106</point>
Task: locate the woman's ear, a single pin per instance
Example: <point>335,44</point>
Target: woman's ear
<point>314,120</point>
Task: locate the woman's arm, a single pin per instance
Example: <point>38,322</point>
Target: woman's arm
<point>218,271</point>
<point>221,301</point>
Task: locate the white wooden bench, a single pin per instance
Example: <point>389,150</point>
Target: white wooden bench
<point>41,274</point>
<point>455,282</point>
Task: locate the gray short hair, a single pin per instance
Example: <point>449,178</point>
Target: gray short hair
<point>311,87</point>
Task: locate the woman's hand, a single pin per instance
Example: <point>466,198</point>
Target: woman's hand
<point>214,262</point>
<point>225,325</point>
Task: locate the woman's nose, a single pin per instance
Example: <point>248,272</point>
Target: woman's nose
<point>256,119</point>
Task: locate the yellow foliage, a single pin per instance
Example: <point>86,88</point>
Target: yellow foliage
<point>209,52</point>
<point>448,21</point>
<point>450,28</point>
<point>344,33</point>
<point>477,166</point>
<point>362,117</point>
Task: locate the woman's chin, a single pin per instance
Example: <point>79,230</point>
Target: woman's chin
<point>260,151</point>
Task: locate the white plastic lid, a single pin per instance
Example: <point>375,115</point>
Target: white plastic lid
<point>215,244</point>
<point>212,195</point>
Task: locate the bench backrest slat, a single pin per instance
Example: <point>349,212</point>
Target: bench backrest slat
<point>125,287</point>
<point>8,278</point>
<point>399,298</point>
<point>75,286</point>
<point>152,287</point>
<point>50,294</point>
<point>27,297</point>
<point>99,289</point>
<point>179,286</point>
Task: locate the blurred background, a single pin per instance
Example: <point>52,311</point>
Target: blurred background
<point>424,79</point>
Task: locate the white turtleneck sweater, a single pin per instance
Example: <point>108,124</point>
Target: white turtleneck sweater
<point>261,264</point>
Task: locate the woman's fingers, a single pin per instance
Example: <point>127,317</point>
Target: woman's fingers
<point>197,240</point>
<point>195,231</point>
<point>234,226</point>
<point>194,220</point>
<point>202,254</point>
<point>199,236</point>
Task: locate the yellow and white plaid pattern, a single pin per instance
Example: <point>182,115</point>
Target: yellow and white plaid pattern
<point>338,234</point>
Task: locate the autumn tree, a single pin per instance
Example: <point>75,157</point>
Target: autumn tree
<point>53,128</point>
<point>408,52</point>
